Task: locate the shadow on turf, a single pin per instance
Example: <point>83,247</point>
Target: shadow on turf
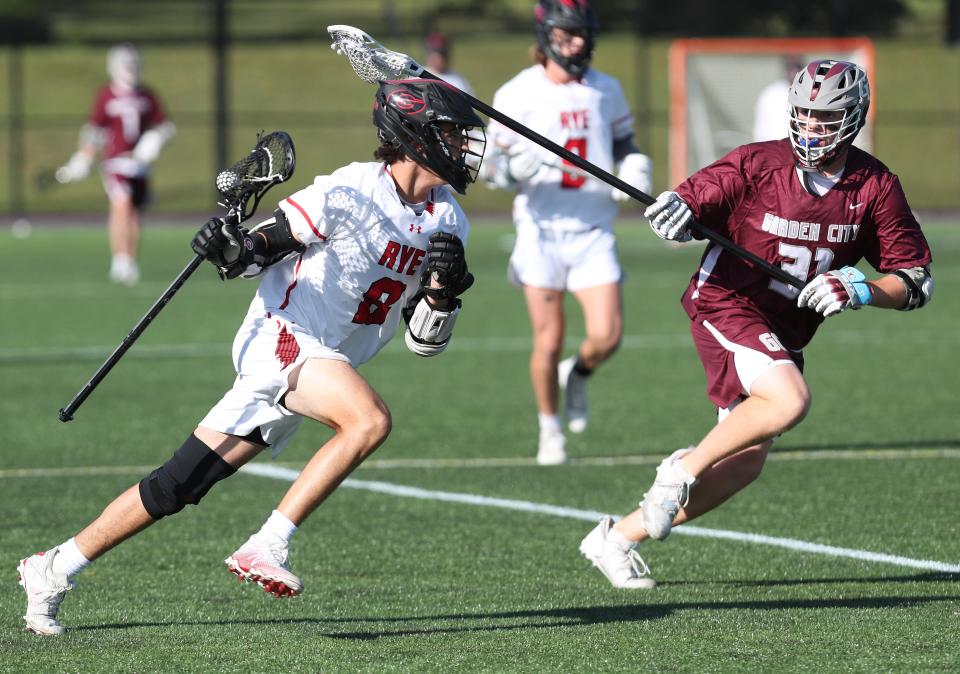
<point>541,618</point>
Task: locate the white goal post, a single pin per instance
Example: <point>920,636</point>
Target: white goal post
<point>716,85</point>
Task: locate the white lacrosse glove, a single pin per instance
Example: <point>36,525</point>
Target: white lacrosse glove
<point>835,291</point>
<point>77,168</point>
<point>524,163</point>
<point>151,142</point>
<point>670,217</point>
<point>636,169</point>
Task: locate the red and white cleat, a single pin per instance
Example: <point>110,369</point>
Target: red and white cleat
<point>264,560</point>
<point>45,590</point>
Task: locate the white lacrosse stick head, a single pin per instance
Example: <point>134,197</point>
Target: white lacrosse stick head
<point>371,60</point>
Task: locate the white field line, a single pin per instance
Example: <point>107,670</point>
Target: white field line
<point>18,355</point>
<point>519,462</point>
<point>288,474</point>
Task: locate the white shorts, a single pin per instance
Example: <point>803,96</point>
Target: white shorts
<point>564,260</point>
<point>265,351</point>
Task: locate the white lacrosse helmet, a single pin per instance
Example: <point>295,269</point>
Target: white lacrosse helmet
<point>826,85</point>
<point>123,65</point>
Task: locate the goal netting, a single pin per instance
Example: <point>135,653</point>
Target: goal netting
<point>727,92</point>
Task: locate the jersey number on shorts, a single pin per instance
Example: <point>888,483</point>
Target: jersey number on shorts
<point>800,266</point>
<point>380,296</point>
<point>577,146</point>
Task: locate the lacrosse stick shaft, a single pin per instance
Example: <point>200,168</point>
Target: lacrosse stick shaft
<point>613,181</point>
<point>66,414</point>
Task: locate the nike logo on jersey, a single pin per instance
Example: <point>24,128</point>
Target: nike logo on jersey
<point>854,207</point>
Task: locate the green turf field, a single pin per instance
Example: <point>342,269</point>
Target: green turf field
<point>458,583</point>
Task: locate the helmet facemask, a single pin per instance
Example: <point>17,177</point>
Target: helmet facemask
<point>435,126</point>
<point>123,65</point>
<point>576,18</point>
<point>828,107</point>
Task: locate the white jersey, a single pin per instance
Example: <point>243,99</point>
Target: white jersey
<point>457,80</point>
<point>585,117</point>
<point>366,249</point>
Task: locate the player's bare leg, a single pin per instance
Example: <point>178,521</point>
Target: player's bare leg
<point>779,400</point>
<point>603,319</point>
<point>126,514</point>
<point>333,393</point>
<point>46,576</point>
<point>545,307</point>
<point>716,485</point>
<point>123,226</point>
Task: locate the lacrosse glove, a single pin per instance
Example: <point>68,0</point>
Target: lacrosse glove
<point>524,163</point>
<point>670,217</point>
<point>636,169</point>
<point>77,168</point>
<point>229,247</point>
<point>835,291</point>
<point>447,265</point>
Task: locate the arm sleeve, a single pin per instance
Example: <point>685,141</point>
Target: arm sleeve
<point>899,243</point>
<point>713,192</point>
<point>306,212</point>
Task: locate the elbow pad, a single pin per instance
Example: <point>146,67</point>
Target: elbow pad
<point>272,241</point>
<point>919,285</point>
<point>428,329</point>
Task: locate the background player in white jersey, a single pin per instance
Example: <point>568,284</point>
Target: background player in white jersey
<point>129,127</point>
<point>343,258</point>
<point>436,59</point>
<point>814,205</point>
<point>564,221</point>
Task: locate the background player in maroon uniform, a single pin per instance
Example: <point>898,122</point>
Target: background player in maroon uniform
<point>128,124</point>
<point>814,205</point>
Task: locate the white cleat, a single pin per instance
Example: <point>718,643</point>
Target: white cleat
<point>124,271</point>
<point>264,560</point>
<point>575,398</point>
<point>669,493</point>
<point>45,590</point>
<point>616,559</point>
<point>551,451</point>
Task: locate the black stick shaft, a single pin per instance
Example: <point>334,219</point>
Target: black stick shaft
<point>613,181</point>
<point>66,414</point>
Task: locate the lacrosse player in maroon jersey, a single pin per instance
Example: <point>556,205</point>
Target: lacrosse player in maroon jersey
<point>128,125</point>
<point>564,221</point>
<point>341,260</point>
<point>817,207</point>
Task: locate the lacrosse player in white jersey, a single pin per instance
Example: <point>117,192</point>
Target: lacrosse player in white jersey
<point>341,261</point>
<point>564,220</point>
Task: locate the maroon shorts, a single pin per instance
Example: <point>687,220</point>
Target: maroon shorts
<point>735,347</point>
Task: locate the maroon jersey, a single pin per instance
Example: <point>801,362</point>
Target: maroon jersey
<point>125,116</point>
<point>754,197</point>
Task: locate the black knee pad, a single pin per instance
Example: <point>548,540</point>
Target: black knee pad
<point>185,478</point>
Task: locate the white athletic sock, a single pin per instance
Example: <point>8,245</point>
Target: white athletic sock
<point>549,422</point>
<point>620,540</point>
<point>279,526</point>
<point>70,561</point>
